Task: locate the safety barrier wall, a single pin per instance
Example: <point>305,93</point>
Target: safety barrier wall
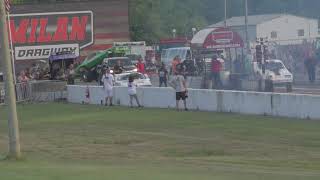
<point>285,105</point>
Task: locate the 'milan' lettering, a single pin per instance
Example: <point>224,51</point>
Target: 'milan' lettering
<point>78,28</point>
<point>43,35</point>
<point>19,35</point>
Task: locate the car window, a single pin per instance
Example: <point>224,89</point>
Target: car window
<point>274,66</point>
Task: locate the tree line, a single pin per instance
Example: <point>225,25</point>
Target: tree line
<point>151,20</point>
<point>154,19</point>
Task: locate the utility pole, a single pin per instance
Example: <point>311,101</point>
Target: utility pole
<point>225,13</point>
<point>14,139</point>
<point>246,26</point>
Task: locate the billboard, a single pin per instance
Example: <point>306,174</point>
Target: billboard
<point>38,35</point>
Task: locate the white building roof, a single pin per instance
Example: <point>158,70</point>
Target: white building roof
<point>201,36</point>
<point>252,20</point>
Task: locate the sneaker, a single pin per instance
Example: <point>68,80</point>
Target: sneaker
<point>111,104</point>
<point>186,109</point>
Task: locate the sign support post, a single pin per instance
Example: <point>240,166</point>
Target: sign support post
<point>14,139</point>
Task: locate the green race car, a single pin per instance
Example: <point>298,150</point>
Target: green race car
<point>88,70</point>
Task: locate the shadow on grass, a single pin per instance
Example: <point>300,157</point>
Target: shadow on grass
<point>7,158</point>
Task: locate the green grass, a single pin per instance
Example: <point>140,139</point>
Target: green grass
<point>66,142</point>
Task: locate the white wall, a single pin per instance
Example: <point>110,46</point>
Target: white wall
<point>285,105</point>
<point>287,27</point>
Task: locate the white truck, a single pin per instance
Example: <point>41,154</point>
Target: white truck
<point>276,72</point>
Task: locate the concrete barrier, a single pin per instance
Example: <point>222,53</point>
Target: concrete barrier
<point>285,105</point>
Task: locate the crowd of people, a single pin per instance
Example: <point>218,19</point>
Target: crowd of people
<point>177,82</point>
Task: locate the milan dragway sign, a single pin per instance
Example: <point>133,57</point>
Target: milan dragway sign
<point>37,36</point>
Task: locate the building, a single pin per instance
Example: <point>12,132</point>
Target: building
<point>282,29</point>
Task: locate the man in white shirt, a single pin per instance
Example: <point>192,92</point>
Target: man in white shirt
<point>108,82</point>
<point>179,84</point>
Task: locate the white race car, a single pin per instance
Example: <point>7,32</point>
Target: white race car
<point>277,72</point>
<point>140,79</point>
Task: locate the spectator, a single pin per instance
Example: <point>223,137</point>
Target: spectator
<point>23,80</point>
<point>310,64</point>
<point>179,84</point>
<point>28,73</point>
<point>35,71</point>
<point>163,75</point>
<point>118,69</point>
<point>237,64</point>
<point>175,62</point>
<point>108,82</point>
<point>132,90</point>
<point>71,74</point>
<point>141,66</point>
<point>216,67</point>
<point>61,75</point>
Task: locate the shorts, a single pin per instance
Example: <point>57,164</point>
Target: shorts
<point>108,93</point>
<point>181,96</point>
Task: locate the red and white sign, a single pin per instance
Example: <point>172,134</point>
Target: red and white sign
<point>223,38</point>
<point>37,36</point>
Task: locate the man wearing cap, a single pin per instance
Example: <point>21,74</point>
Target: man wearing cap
<point>108,82</point>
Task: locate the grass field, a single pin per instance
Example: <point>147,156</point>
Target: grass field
<point>78,142</point>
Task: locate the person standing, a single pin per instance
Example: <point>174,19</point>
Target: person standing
<point>179,84</point>
<point>311,64</point>
<point>163,75</point>
<point>71,74</point>
<point>174,64</point>
<point>23,79</point>
<point>132,91</point>
<point>108,82</point>
<point>141,66</point>
<point>118,68</point>
<point>216,67</point>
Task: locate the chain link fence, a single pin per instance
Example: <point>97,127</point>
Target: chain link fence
<point>38,91</point>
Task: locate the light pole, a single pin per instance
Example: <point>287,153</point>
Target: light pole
<point>14,140</point>
<point>174,32</point>
<point>194,30</point>
<point>225,13</point>
<point>246,26</point>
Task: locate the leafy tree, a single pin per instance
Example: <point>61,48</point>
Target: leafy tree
<point>151,20</point>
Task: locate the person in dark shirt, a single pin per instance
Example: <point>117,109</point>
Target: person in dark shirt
<point>311,64</point>
<point>163,75</point>
<point>118,69</point>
